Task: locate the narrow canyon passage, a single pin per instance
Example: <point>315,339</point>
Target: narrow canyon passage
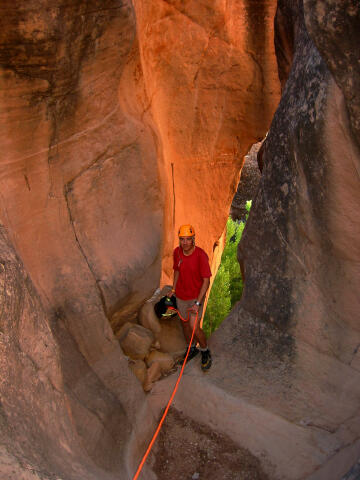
<point>119,121</point>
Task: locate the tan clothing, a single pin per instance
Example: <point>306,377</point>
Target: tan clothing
<point>183,307</point>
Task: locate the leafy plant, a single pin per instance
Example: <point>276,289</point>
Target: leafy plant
<point>227,287</point>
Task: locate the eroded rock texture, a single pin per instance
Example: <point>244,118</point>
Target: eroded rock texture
<point>59,416</point>
<point>70,139</point>
<point>118,121</point>
<point>213,92</point>
<point>73,161</point>
<point>297,326</point>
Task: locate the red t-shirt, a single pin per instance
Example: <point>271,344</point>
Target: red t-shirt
<point>192,271</point>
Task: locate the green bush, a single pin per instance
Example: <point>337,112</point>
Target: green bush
<point>227,287</point>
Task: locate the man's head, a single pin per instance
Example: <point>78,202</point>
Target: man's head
<point>186,237</point>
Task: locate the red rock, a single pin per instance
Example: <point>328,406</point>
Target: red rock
<point>138,368</point>
<point>153,374</point>
<point>113,130</point>
<point>204,135</point>
<point>293,340</point>
<point>148,318</point>
<point>136,341</point>
<point>165,360</point>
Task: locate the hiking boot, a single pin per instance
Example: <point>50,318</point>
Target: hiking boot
<point>192,353</point>
<point>206,360</point>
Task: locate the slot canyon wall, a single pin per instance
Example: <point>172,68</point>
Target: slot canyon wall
<point>293,340</point>
<point>121,120</point>
<point>118,121</point>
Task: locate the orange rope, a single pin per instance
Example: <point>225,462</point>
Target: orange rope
<point>138,471</point>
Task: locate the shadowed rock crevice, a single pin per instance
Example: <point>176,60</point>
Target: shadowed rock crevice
<point>67,191</point>
<point>96,411</point>
<point>248,184</point>
<point>286,28</point>
<point>56,412</point>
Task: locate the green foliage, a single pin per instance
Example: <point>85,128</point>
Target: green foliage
<point>228,285</point>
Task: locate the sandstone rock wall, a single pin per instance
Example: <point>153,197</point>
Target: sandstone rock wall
<point>76,157</point>
<point>213,92</point>
<point>80,105</point>
<point>296,328</point>
<point>305,210</point>
<point>118,121</point>
<point>73,160</point>
<point>58,415</point>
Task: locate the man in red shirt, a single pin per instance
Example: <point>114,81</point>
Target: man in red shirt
<point>191,280</point>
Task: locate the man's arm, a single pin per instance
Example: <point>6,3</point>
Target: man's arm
<point>203,289</point>
<point>176,277</point>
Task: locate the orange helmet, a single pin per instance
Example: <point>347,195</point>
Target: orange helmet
<point>186,231</point>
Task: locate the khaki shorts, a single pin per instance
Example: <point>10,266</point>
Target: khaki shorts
<point>183,307</point>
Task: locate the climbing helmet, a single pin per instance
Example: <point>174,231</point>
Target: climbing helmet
<point>186,231</point>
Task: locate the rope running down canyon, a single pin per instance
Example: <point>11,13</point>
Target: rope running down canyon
<point>138,471</point>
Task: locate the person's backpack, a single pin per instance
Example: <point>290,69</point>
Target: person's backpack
<point>161,307</point>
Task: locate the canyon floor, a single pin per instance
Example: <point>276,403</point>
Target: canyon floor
<point>189,450</point>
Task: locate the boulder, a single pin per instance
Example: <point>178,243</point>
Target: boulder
<point>118,321</point>
<point>136,341</point>
<point>155,345</point>
<point>153,374</point>
<point>171,337</point>
<point>138,368</point>
<point>148,318</point>
<point>124,329</point>
<point>165,360</point>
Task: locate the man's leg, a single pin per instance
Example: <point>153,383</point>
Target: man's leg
<point>183,308</point>
<point>187,331</point>
<point>206,359</point>
<point>199,333</point>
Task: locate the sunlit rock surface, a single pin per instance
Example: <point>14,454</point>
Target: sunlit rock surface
<point>90,241</point>
<point>212,93</point>
<point>64,137</point>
